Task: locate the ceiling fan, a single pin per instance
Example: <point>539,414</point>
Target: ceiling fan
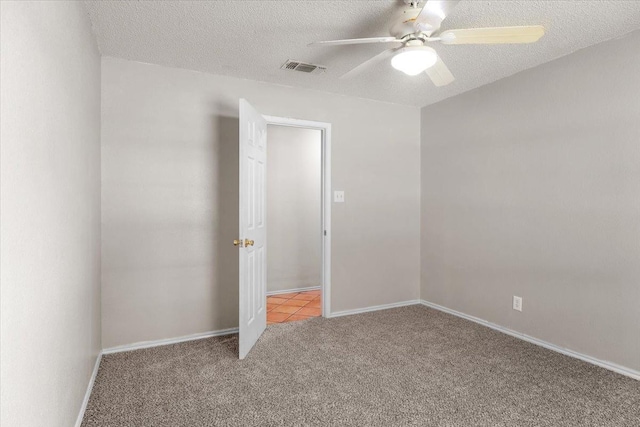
<point>413,28</point>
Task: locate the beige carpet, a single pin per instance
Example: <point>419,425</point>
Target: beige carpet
<point>398,367</point>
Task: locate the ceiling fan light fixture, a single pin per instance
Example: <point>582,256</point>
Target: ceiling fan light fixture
<point>413,60</point>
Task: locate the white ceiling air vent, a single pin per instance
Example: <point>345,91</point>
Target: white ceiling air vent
<point>303,67</point>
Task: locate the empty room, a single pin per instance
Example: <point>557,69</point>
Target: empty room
<point>319,213</point>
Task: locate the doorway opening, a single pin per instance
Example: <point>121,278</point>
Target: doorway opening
<point>298,220</point>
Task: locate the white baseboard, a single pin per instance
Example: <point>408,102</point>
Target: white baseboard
<point>623,370</point>
<point>87,394</point>
<point>156,343</point>
<point>374,308</point>
<point>288,291</point>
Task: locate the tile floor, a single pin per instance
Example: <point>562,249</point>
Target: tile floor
<point>293,306</point>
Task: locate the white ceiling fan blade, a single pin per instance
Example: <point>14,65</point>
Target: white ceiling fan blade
<point>356,41</point>
<point>366,64</point>
<point>439,73</point>
<point>497,35</point>
<point>432,15</point>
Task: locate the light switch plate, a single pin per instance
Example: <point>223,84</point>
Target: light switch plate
<point>338,196</point>
<point>517,303</point>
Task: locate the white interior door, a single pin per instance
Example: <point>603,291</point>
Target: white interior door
<point>253,227</point>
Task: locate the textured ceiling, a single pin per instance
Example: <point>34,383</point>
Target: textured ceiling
<point>252,39</point>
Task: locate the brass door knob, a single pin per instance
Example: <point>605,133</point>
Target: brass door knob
<point>248,242</point>
<point>237,242</point>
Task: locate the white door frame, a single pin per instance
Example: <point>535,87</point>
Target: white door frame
<point>326,198</point>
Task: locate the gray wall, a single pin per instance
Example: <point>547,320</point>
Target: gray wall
<point>50,201</point>
<point>294,220</point>
<point>170,205</point>
<point>531,187</point>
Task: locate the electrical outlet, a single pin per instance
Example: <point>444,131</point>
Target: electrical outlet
<point>338,196</point>
<point>517,303</point>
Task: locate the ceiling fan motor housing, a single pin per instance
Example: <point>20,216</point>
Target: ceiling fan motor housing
<point>402,22</point>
